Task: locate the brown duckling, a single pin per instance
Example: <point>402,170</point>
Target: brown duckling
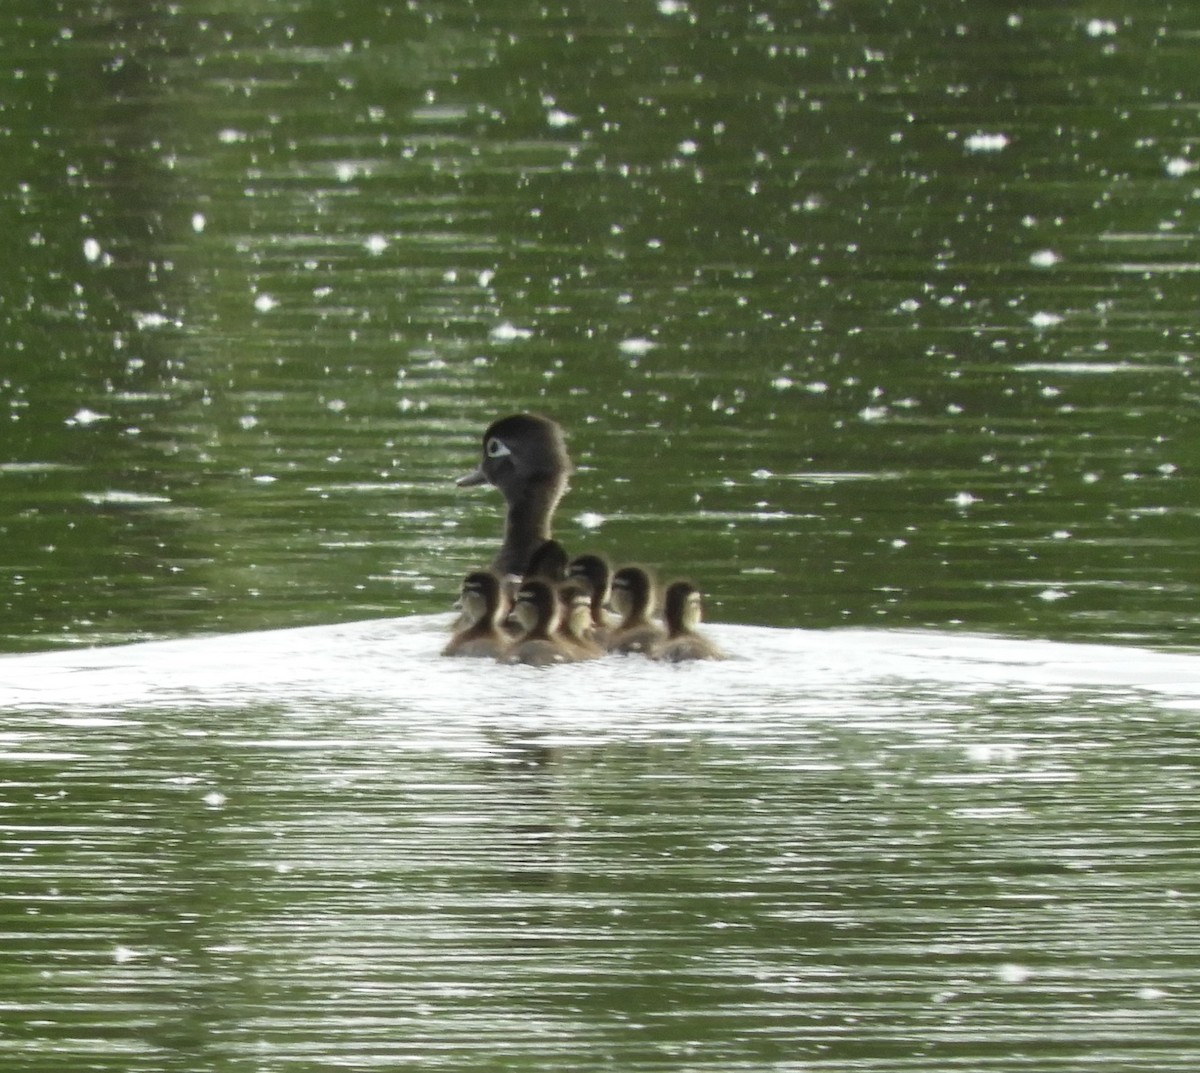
<point>595,572</point>
<point>548,562</point>
<point>575,626</point>
<point>525,456</point>
<point>536,609</point>
<point>633,600</point>
<point>482,603</point>
<point>682,612</point>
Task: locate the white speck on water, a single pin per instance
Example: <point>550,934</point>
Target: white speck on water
<point>1179,167</point>
<point>1151,994</point>
<point>1061,534</point>
<point>636,347</point>
<point>557,118</point>
<point>1044,259</point>
<point>1101,28</point>
<point>1052,594</point>
<point>507,332</point>
<point>92,250</point>
<point>964,499</point>
<point>247,421</point>
<point>142,321</point>
<point>231,136</point>
<point>122,955</point>
<point>816,387</point>
<point>985,142</point>
<point>909,305</point>
<point>782,383</point>
<point>687,147</point>
<point>264,303</point>
<point>336,406</point>
<point>376,244</point>
<point>1013,974</point>
<point>484,279</point>
<point>873,413</point>
<point>264,478</point>
<point>118,498</point>
<point>214,799</point>
<point>86,417</point>
<point>1045,320</point>
<point>590,520</point>
<point>672,7</point>
<point>199,222</point>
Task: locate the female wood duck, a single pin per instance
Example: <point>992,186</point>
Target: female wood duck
<point>682,612</point>
<point>633,600</point>
<point>536,609</point>
<point>595,572</point>
<point>525,456</point>
<point>575,627</point>
<point>482,606</point>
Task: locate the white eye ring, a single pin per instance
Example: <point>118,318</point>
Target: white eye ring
<point>496,448</point>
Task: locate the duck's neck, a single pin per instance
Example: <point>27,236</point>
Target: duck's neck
<point>527,523</point>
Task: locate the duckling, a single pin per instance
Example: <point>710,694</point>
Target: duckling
<point>574,629</point>
<point>682,611</point>
<point>481,635</point>
<point>548,562</point>
<point>595,572</point>
<point>633,599</point>
<point>536,609</point>
<point>525,456</point>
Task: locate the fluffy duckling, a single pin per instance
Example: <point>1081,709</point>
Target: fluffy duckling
<point>633,600</point>
<point>595,572</point>
<point>536,609</point>
<point>682,612</point>
<point>525,456</point>
<point>482,605</point>
<point>549,563</point>
<point>575,627</point>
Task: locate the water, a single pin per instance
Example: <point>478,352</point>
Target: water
<point>866,317</point>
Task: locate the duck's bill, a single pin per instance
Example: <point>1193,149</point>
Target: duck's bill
<point>470,480</point>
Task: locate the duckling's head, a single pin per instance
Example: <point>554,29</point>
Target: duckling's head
<point>548,562</point>
<point>519,451</point>
<point>682,607</point>
<point>535,606</point>
<point>632,591</point>
<point>480,595</point>
<point>594,571</point>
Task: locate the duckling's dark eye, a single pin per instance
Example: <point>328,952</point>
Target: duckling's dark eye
<point>496,448</point>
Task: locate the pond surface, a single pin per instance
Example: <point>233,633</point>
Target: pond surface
<point>865,316</point>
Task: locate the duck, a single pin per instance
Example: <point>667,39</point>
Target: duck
<point>536,609</point>
<point>595,572</point>
<point>633,600</point>
<point>525,457</point>
<point>480,635</point>
<point>682,612</point>
<point>575,625</point>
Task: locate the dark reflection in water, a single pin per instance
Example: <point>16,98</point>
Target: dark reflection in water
<point>994,883</point>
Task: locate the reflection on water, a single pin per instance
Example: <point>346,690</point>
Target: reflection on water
<point>861,852</point>
<point>276,273</point>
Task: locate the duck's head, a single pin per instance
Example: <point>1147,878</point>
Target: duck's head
<point>593,571</point>
<point>519,451</point>
<point>480,595</point>
<point>549,562</point>
<point>683,607</point>
<point>632,591</point>
<point>535,606</point>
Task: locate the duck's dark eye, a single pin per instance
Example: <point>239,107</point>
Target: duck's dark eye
<point>496,448</point>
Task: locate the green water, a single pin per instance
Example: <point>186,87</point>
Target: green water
<point>860,314</point>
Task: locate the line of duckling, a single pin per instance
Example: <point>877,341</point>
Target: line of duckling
<point>561,615</point>
<point>535,606</point>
